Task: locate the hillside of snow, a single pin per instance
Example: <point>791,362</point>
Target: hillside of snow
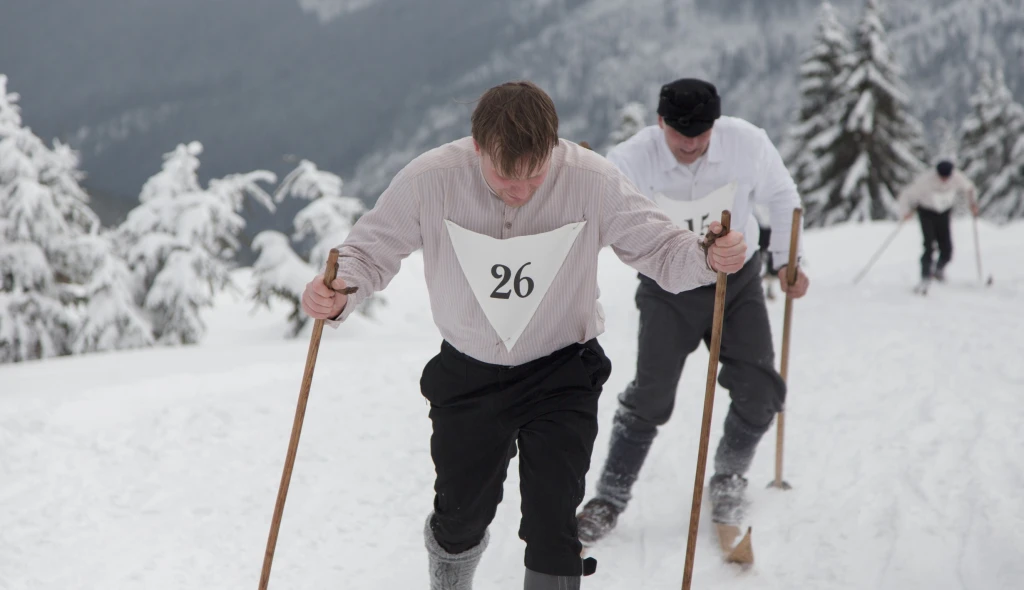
<point>158,469</point>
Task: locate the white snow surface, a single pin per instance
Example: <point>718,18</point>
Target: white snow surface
<point>158,469</point>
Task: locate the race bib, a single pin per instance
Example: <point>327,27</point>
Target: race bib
<point>697,215</point>
<point>510,277</point>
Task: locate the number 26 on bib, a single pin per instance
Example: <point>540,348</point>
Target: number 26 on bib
<point>510,277</point>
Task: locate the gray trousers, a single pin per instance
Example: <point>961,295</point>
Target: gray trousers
<point>671,327</point>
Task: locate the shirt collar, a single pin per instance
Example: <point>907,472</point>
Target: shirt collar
<point>667,161</point>
<point>715,148</point>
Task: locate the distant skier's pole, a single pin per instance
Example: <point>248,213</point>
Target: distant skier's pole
<point>874,258</point>
<point>977,253</point>
<point>780,426</point>
<point>705,426</point>
<point>300,413</point>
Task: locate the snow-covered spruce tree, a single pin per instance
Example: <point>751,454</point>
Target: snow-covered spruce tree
<point>321,225</point>
<point>1004,198</point>
<point>947,144</point>
<point>632,118</point>
<point>104,291</point>
<point>180,240</point>
<point>820,113</point>
<point>329,216</point>
<point>279,273</point>
<point>36,221</point>
<point>59,293</point>
<point>877,148</point>
<point>992,151</point>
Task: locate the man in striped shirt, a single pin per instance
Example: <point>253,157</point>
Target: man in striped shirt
<point>511,221</point>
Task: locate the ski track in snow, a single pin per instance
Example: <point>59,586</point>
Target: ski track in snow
<point>158,469</point>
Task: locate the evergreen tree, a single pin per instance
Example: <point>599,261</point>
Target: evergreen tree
<point>60,292</point>
<point>632,118</point>
<point>992,149</point>
<point>822,70</point>
<point>877,147</point>
<point>947,144</point>
<point>180,240</point>
<point>104,292</point>
<point>279,272</point>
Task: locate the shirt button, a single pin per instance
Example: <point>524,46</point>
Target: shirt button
<point>508,225</point>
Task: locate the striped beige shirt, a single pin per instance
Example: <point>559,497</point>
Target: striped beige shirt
<point>446,183</point>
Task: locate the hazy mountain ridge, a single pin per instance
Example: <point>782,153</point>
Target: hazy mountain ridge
<point>360,87</point>
<point>610,52</point>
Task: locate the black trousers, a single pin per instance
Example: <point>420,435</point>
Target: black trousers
<point>481,413</point>
<point>935,228</point>
<point>763,240</point>
<point>671,327</point>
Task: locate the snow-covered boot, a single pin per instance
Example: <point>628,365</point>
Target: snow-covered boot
<point>596,520</point>
<point>728,498</point>
<point>450,571</point>
<point>922,287</point>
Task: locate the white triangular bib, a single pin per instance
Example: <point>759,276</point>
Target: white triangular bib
<point>510,277</point>
<point>697,215</point>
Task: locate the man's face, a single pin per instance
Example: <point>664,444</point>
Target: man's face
<point>514,192</point>
<point>685,149</point>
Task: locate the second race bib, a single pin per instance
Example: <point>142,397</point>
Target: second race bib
<point>697,215</point>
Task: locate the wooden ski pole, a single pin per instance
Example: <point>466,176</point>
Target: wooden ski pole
<point>977,254</point>
<point>780,425</point>
<point>977,248</point>
<point>705,426</point>
<point>300,413</point>
<point>874,258</point>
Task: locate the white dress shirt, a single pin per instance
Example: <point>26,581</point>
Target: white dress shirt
<point>738,152</point>
<point>930,191</point>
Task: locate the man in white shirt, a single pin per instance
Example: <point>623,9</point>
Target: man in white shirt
<point>511,221</point>
<point>693,164</point>
<point>932,195</point>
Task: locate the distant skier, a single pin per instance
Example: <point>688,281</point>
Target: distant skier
<point>932,195</point>
<point>693,163</point>
<point>511,222</point>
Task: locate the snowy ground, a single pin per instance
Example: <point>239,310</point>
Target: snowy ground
<point>158,469</point>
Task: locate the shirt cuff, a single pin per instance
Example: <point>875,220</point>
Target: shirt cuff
<point>781,259</point>
<point>707,275</point>
<point>350,306</point>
